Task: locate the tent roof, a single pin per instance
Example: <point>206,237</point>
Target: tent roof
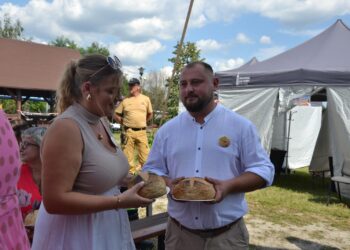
<point>32,66</point>
<point>322,60</point>
<point>242,67</point>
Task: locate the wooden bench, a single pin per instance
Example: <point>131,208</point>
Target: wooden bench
<point>149,227</point>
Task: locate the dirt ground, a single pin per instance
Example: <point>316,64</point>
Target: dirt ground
<point>265,235</point>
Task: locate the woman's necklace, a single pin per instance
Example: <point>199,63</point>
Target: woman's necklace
<point>99,135</point>
<point>93,120</point>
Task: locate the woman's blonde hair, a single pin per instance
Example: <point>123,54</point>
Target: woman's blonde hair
<point>92,68</point>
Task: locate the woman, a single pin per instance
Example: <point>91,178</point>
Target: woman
<point>82,166</point>
<point>30,178</point>
<point>12,232</point>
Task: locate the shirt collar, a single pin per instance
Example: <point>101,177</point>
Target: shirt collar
<point>213,113</point>
<point>85,114</point>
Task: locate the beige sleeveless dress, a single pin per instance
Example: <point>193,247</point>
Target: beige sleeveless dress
<point>100,173</point>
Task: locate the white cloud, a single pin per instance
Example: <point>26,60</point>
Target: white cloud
<point>131,71</point>
<point>294,13</point>
<point>267,53</point>
<point>265,40</point>
<point>231,63</point>
<point>153,26</point>
<point>208,44</point>
<point>167,71</point>
<point>243,38</point>
<point>131,52</point>
<point>86,20</point>
<point>301,13</point>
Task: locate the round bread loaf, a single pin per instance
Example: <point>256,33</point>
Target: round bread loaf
<point>154,185</point>
<point>31,218</point>
<point>194,189</point>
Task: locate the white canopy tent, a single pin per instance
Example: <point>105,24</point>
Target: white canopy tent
<point>263,92</point>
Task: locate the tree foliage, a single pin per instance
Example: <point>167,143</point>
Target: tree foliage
<point>124,89</point>
<point>188,53</point>
<point>64,42</point>
<point>34,106</point>
<point>8,29</point>
<point>94,48</point>
<point>9,106</point>
<point>155,87</point>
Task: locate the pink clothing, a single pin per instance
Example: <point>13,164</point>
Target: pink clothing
<point>12,231</point>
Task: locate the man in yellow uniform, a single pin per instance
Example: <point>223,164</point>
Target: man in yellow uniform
<point>133,113</point>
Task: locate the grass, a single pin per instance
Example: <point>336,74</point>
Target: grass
<point>299,199</point>
<point>117,137</point>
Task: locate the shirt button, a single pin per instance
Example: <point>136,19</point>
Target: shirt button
<point>196,218</point>
<point>199,148</point>
<point>201,127</point>
<point>197,171</point>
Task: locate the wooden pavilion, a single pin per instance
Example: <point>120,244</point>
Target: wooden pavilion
<point>29,69</point>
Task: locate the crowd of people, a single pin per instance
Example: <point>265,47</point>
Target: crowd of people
<point>73,172</point>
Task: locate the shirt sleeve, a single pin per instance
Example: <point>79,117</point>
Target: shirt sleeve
<point>156,161</point>
<point>254,157</point>
<point>119,109</point>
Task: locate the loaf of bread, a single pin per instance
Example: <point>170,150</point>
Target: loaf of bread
<point>30,219</point>
<point>154,185</point>
<point>194,189</point>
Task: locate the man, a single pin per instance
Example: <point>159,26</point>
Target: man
<point>133,113</point>
<point>209,140</point>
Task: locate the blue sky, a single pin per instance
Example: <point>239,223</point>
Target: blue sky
<point>144,32</point>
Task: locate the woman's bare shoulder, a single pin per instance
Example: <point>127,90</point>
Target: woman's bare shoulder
<point>66,130</point>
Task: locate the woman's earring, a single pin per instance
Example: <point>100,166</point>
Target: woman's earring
<point>88,98</point>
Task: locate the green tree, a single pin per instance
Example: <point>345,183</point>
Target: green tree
<point>8,105</point>
<point>34,106</point>
<point>188,53</point>
<point>124,89</point>
<point>9,29</point>
<point>95,47</point>
<point>64,42</point>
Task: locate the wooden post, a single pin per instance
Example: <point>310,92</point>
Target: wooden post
<point>18,100</point>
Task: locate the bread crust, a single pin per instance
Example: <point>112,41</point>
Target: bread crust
<point>194,188</point>
<point>31,218</point>
<point>154,185</point>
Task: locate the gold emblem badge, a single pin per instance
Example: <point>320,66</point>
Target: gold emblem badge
<point>224,141</point>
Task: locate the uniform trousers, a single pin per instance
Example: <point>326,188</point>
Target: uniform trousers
<point>136,140</point>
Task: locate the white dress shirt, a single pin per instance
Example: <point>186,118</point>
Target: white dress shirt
<point>183,147</point>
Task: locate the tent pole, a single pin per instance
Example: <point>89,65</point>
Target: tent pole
<point>287,170</point>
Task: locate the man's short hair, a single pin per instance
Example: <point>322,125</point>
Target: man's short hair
<point>134,81</point>
<point>204,64</point>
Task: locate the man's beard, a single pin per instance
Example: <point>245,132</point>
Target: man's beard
<point>197,106</point>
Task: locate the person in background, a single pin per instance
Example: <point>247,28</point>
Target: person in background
<point>212,142</point>
<point>30,179</point>
<point>19,127</point>
<point>133,113</point>
<point>12,231</point>
<point>82,166</point>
